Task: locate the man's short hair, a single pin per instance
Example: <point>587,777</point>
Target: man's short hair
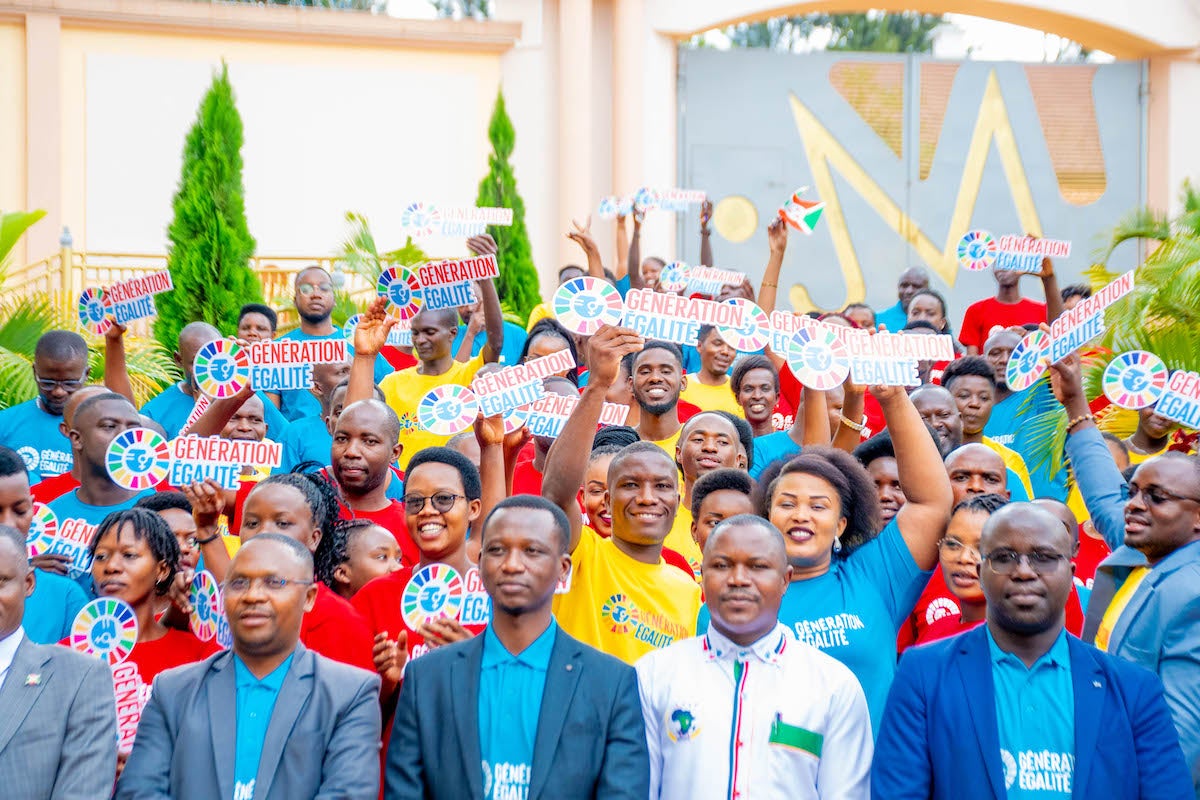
<point>61,346</point>
<point>725,479</point>
<point>530,502</point>
<point>259,308</point>
<point>472,487</point>
<point>310,268</point>
<point>637,449</point>
<point>18,541</point>
<point>97,399</point>
<point>981,504</point>
<point>968,365</point>
<point>11,463</point>
<point>653,344</point>
<point>297,549</point>
<point>1076,290</point>
<point>878,446</point>
<point>391,422</point>
<point>778,545</point>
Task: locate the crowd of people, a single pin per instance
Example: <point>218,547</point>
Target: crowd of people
<point>751,589</point>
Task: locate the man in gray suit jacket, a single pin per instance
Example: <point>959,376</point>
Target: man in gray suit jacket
<point>58,718</point>
<point>269,720</point>
<point>522,710</point>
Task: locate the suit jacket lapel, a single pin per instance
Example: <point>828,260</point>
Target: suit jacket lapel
<point>464,693</point>
<point>1088,685</point>
<point>16,699</point>
<point>222,704</point>
<point>974,666</point>
<point>293,697</point>
<point>562,676</point>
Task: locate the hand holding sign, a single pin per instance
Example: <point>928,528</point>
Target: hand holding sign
<point>585,304</point>
<point>373,328</point>
<point>605,351</point>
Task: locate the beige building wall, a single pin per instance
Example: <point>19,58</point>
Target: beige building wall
<point>12,122</point>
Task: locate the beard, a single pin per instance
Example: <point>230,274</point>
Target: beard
<point>315,319</point>
<point>657,409</point>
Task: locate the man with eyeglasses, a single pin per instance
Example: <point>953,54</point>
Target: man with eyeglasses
<point>1144,606</point>
<point>60,368</point>
<point>268,718</point>
<point>314,301</point>
<point>1019,709</point>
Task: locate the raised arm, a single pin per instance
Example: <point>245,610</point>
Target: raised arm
<point>567,460</point>
<point>218,413</point>
<point>768,290</point>
<point>489,433</point>
<point>634,261</point>
<point>489,301</point>
<point>706,257</point>
<point>815,413</point>
<point>923,518</point>
<point>116,371</point>
<point>620,263</point>
<point>474,326</point>
<point>369,338</point>
<point>1054,301</point>
<point>854,403</point>
<point>582,236</point>
<point>1096,474</point>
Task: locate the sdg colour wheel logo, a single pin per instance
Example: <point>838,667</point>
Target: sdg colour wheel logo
<point>434,591</point>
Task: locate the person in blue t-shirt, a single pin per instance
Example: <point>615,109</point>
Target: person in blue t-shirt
<point>60,368</point>
<point>98,420</point>
<point>51,609</point>
<point>473,326</point>
<point>314,301</point>
<point>853,585</point>
<point>173,405</point>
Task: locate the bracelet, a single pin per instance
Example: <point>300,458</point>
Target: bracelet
<point>1079,419</point>
<point>209,540</point>
<point>859,427</point>
<point>772,285</point>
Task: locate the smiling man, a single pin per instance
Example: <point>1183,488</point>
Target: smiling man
<point>268,719</point>
<point>708,387</point>
<point>520,700</point>
<point>1016,707</point>
<point>799,721</point>
<point>657,378</point>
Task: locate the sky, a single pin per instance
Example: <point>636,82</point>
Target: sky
<point>965,37</point>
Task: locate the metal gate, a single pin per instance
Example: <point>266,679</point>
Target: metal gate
<point>908,153</point>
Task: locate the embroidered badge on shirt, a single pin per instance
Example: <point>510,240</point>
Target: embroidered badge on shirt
<point>681,724</point>
<point>33,679</point>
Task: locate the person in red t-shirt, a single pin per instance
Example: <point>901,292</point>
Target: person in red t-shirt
<point>304,508</point>
<point>531,461</point>
<point>958,559</point>
<point>443,499</point>
<point>356,552</point>
<point>1006,309</point>
<point>134,559</point>
<point>366,442</point>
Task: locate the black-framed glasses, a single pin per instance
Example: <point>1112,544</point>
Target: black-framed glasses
<point>1005,562</point>
<point>272,583</point>
<point>442,502</point>
<point>954,548</point>
<point>49,385</point>
<point>1156,495</point>
<point>308,288</point>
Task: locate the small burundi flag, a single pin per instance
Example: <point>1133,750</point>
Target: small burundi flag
<point>802,214</point>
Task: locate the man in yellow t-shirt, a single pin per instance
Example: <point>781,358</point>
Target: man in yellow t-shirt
<point>623,598</point>
<point>708,388</point>
<point>433,333</point>
<point>656,377</point>
<point>708,441</point>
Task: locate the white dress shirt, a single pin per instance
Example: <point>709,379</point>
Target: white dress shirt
<point>8,651</point>
<point>775,719</point>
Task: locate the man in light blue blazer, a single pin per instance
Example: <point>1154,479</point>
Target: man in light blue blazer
<point>1145,602</point>
<point>522,710</point>
<point>1018,705</point>
<point>58,719</point>
<point>269,720</point>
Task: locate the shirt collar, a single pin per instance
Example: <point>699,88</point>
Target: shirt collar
<point>1059,654</point>
<point>8,647</point>
<point>767,649</point>
<point>536,655</point>
<point>272,680</point>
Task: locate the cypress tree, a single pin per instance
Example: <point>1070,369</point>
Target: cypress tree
<point>518,281</point>
<point>210,243</point>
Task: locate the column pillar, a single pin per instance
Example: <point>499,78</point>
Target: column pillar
<point>575,194</point>
<point>43,132</point>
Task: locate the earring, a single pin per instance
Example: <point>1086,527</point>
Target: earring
<point>837,544</point>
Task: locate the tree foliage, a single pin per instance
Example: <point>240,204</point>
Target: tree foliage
<point>210,243</point>
<point>906,32</point>
<point>518,281</point>
<point>463,9</point>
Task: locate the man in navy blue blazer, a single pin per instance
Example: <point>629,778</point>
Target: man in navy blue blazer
<point>522,710</point>
<point>1017,708</point>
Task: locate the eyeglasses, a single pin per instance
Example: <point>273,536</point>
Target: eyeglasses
<point>954,548</point>
<point>273,583</point>
<point>48,385</point>
<point>308,288</point>
<point>188,542</point>
<point>442,502</point>
<point>1156,495</point>
<point>1005,562</point>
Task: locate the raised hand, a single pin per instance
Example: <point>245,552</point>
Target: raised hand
<point>373,327</point>
<point>208,502</point>
<point>483,244</point>
<point>606,349</point>
<point>114,332</point>
<point>706,210</point>
<point>777,236</point>
<point>582,236</point>
<point>390,656</point>
<point>489,431</point>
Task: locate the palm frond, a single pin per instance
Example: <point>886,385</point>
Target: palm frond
<point>1047,431</point>
<point>12,225</point>
<point>1141,223</point>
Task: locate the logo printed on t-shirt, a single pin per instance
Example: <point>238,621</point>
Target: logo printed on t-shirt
<point>827,632</point>
<point>1010,768</point>
<point>506,781</point>
<point>244,791</point>
<point>624,617</point>
<point>940,607</point>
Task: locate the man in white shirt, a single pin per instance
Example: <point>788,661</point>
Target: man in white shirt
<point>760,713</point>
<point>58,718</point>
